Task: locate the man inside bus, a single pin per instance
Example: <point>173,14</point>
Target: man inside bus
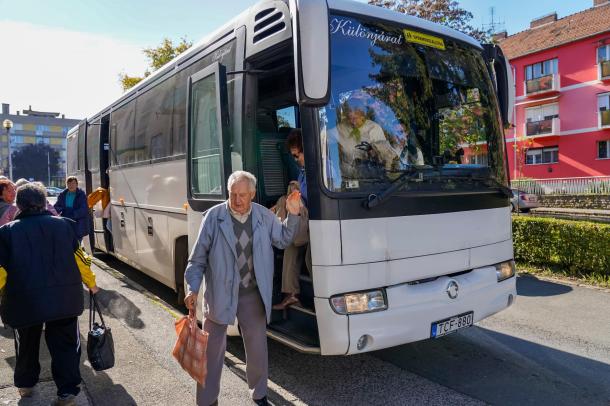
<point>234,254</point>
<point>361,140</point>
<point>295,253</point>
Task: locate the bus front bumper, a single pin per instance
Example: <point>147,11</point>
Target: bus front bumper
<point>413,308</point>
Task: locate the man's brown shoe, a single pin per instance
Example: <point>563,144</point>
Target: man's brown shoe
<point>288,301</point>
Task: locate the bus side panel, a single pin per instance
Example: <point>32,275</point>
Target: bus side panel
<point>154,195</point>
<point>153,243</point>
<point>123,232</point>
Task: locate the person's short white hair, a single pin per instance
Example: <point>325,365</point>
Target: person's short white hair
<point>239,176</point>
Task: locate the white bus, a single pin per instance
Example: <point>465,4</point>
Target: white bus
<point>402,121</point>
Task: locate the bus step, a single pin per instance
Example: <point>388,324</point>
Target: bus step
<point>302,309</point>
<point>303,333</point>
<point>292,342</point>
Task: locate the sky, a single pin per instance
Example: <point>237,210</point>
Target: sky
<point>66,55</point>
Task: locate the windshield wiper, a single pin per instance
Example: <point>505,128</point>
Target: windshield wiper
<point>375,199</point>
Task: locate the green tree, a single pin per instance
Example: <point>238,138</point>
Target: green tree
<point>157,57</point>
<point>30,162</point>
<point>446,12</point>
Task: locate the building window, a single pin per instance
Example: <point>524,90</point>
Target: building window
<point>540,77</point>
<point>603,149</point>
<point>478,159</point>
<point>539,120</point>
<point>536,156</point>
<point>541,69</point>
<point>603,105</point>
<point>603,62</point>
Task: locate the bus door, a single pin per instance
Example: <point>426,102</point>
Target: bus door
<point>97,164</point>
<point>208,146</point>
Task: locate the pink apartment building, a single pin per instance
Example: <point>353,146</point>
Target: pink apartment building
<point>562,107</point>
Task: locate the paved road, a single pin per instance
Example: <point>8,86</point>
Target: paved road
<point>551,347</point>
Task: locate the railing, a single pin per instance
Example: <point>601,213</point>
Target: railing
<point>543,127</point>
<point>594,185</point>
<point>541,84</point>
<point>604,118</point>
<point>604,70</point>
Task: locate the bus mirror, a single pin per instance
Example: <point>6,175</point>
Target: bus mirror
<point>503,80</point>
<point>310,37</point>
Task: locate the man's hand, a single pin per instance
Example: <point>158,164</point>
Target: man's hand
<point>190,301</point>
<point>293,203</point>
<point>94,289</point>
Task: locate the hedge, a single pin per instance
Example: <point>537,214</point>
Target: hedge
<point>579,247</point>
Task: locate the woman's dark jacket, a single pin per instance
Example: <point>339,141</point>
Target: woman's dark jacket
<point>79,212</point>
<point>43,280</point>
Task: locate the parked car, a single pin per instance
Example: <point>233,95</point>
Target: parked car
<point>523,202</point>
<point>53,191</point>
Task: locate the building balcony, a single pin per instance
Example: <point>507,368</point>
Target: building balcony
<point>604,119</point>
<point>603,70</point>
<point>542,85</point>
<point>542,128</point>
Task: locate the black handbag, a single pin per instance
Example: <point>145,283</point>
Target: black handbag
<point>100,345</point>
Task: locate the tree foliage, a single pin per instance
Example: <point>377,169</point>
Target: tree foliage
<point>446,12</point>
<point>30,162</point>
<point>157,57</point>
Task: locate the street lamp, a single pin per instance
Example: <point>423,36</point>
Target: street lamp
<point>8,124</point>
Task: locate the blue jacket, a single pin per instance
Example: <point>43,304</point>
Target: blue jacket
<point>79,212</point>
<point>213,258</point>
<point>43,280</point>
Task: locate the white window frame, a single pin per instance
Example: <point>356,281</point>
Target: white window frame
<point>607,47</point>
<point>541,107</point>
<point>554,67</point>
<point>600,97</point>
<point>531,151</point>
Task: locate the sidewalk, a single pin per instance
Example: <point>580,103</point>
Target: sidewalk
<point>146,374</point>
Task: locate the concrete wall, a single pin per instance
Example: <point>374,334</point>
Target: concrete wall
<point>601,202</point>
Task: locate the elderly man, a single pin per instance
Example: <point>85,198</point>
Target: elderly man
<point>42,268</point>
<point>234,253</point>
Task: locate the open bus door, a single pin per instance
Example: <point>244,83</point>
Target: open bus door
<point>97,164</point>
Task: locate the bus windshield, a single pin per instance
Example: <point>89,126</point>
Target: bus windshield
<point>404,100</point>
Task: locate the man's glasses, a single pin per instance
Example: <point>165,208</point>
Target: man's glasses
<point>295,156</point>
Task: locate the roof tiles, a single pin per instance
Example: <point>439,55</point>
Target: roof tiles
<point>571,28</point>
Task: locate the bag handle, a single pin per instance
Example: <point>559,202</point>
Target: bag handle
<point>93,308</point>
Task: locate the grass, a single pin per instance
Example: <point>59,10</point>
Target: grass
<point>596,279</point>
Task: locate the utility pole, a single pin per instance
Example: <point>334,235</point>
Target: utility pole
<point>48,169</point>
<point>8,124</point>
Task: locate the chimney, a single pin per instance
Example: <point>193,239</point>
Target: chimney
<point>549,18</point>
<point>5,108</point>
<point>599,2</point>
<point>499,36</point>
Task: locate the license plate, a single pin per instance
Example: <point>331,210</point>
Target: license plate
<point>450,325</point>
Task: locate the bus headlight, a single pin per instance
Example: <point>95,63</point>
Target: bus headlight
<point>505,270</point>
<point>359,302</point>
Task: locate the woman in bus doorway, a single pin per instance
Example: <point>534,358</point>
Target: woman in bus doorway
<point>72,203</point>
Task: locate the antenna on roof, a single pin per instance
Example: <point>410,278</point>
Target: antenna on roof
<point>494,25</point>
